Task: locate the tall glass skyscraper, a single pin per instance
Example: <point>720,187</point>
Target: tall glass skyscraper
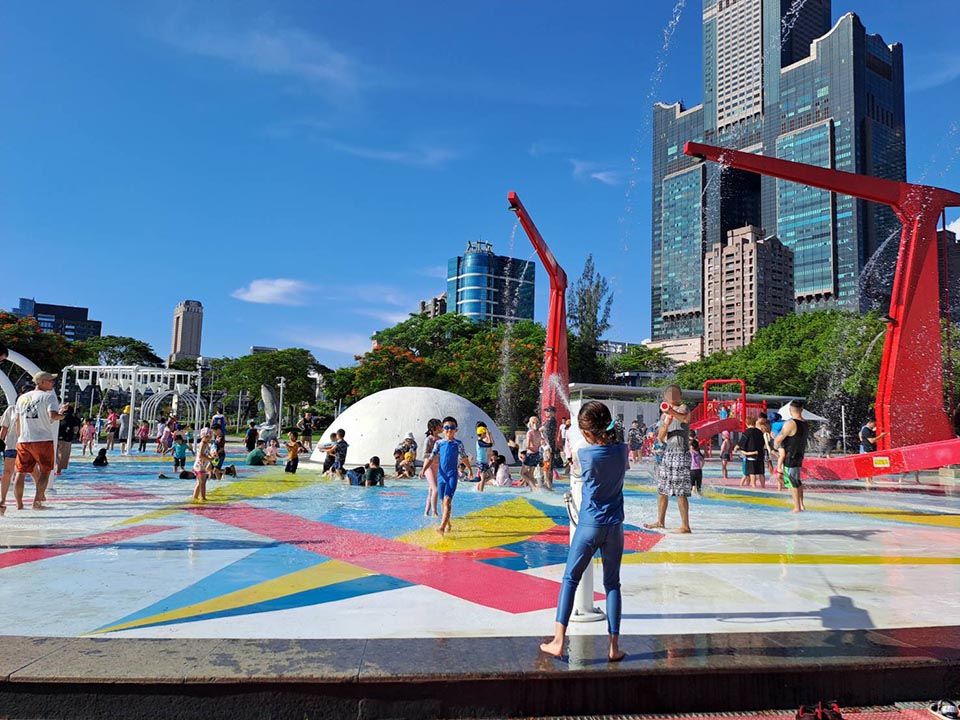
<point>778,80</point>
<point>485,286</point>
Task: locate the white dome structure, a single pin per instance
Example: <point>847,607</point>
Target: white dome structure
<point>377,424</point>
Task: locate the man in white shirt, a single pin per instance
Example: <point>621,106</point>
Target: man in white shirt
<point>36,411</point>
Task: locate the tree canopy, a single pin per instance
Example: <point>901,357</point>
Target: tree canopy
<point>497,367</point>
<point>249,372</point>
<point>588,317</point>
<point>116,350</point>
<point>50,351</point>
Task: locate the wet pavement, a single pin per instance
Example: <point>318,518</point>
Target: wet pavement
<point>122,553</point>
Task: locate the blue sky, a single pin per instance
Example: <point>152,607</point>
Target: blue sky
<point>305,169</point>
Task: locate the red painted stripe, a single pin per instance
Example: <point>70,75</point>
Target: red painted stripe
<point>119,492</point>
<point>632,539</point>
<point>450,573</point>
<point>66,547</point>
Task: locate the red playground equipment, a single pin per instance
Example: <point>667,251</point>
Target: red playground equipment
<point>556,370</point>
<point>910,394</point>
<point>712,417</point>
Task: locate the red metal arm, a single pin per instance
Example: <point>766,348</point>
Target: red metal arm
<point>910,393</point>
<point>555,361</point>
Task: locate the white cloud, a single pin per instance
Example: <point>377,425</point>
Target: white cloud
<point>936,71</point>
<point>271,49</point>
<point>273,291</point>
<point>426,156</point>
<point>351,344</point>
<point>583,170</point>
<point>954,226</point>
<point>385,315</point>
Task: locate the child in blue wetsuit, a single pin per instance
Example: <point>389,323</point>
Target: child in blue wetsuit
<point>448,453</point>
<point>484,443</point>
<point>602,463</point>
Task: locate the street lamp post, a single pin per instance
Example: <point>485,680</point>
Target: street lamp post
<point>196,412</point>
<point>282,380</point>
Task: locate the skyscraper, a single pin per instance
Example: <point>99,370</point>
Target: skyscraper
<point>485,286</point>
<point>778,80</point>
<point>187,331</point>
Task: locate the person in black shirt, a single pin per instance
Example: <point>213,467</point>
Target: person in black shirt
<point>791,444</point>
<point>68,434</point>
<point>751,445</point>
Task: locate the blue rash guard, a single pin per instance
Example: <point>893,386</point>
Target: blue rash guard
<point>449,454</point>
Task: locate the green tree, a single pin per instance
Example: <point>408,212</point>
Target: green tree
<point>248,373</point>
<point>474,368</point>
<point>428,337</point>
<point>50,351</point>
<point>117,350</point>
<point>640,358</point>
<point>588,315</point>
<point>388,366</point>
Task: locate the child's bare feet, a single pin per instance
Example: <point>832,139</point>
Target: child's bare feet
<point>554,647</point>
<point>682,531</point>
<point>614,653</point>
<point>654,526</point>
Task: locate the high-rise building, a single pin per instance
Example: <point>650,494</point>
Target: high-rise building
<point>950,273</point>
<point>749,284</point>
<point>778,80</point>
<point>261,349</point>
<point>485,286</point>
<point>187,331</point>
<point>435,306</point>
<point>67,320</point>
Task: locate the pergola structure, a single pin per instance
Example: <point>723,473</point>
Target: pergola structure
<point>153,384</point>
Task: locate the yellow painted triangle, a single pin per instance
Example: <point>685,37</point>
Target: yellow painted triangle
<point>260,485</point>
<point>821,505</point>
<point>320,575</point>
<point>508,522</point>
<point>734,558</point>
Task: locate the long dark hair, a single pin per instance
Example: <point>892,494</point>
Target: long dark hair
<point>595,418</point>
<point>433,424</point>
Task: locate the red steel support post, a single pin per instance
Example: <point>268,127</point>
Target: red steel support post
<point>555,361</point>
<point>910,393</point>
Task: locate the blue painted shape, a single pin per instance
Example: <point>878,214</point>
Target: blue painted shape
<point>267,564</point>
<point>317,596</point>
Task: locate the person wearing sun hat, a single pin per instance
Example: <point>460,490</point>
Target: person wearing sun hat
<point>37,411</point>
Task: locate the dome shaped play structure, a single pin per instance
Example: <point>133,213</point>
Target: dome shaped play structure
<point>378,423</point>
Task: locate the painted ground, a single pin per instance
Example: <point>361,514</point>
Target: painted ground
<point>123,553</point>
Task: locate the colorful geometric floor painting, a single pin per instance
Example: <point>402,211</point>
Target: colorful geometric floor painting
<point>122,553</point>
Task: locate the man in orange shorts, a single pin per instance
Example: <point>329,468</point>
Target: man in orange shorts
<point>36,410</point>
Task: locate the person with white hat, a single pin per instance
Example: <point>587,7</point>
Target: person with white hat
<point>37,411</point>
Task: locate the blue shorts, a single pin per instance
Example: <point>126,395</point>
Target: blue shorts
<point>10,453</point>
<point>446,487</point>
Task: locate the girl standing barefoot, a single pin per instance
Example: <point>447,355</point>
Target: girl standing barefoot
<point>602,464</point>
<point>202,465</point>
<point>433,434</point>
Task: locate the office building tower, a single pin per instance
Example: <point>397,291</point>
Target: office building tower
<point>749,284</point>
<point>778,80</point>
<point>485,286</point>
<point>434,307</point>
<point>187,331</point>
<point>67,320</point>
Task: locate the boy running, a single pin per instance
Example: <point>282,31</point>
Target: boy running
<point>448,453</point>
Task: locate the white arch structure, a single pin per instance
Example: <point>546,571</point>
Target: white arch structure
<point>137,379</point>
<point>9,391</point>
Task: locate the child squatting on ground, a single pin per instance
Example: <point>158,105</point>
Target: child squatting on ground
<point>448,453</point>
<point>602,464</point>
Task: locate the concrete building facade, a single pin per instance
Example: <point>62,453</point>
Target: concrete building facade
<point>187,331</point>
<point>749,284</point>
